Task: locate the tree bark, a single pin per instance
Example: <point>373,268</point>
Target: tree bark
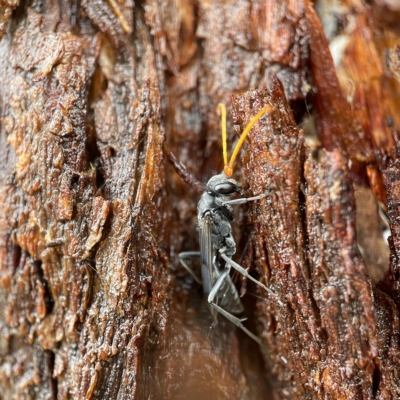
<point>94,303</point>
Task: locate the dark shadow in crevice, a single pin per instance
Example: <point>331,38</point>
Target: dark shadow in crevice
<point>52,382</point>
<point>47,293</point>
<point>14,253</point>
<point>376,381</point>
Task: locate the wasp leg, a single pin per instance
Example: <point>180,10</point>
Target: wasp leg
<point>190,255</point>
<point>243,200</point>
<point>246,274</point>
<point>235,320</point>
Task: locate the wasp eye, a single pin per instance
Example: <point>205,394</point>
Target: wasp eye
<point>226,188</point>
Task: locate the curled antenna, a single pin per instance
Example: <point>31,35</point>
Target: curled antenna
<point>181,171</point>
<point>228,168</point>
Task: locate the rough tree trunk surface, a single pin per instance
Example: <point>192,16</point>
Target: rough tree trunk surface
<point>93,302</point>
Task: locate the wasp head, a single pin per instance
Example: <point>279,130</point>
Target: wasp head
<point>221,185</point>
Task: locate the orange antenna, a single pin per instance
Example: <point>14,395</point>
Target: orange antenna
<point>222,110</point>
<point>228,168</point>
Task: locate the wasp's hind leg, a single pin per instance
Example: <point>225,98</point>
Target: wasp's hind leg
<point>215,292</point>
<point>244,272</point>
<point>190,255</point>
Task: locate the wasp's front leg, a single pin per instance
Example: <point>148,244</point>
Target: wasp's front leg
<point>244,200</point>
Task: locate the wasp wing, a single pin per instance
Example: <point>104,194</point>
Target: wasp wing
<point>206,252</point>
<point>227,296</point>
